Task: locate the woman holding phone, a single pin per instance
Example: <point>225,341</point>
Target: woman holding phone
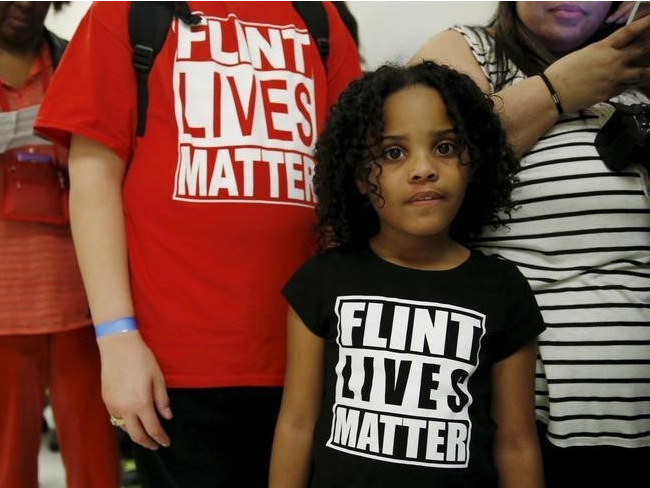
<point>637,10</point>
<point>580,232</point>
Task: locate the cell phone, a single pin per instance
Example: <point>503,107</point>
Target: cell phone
<point>637,9</point>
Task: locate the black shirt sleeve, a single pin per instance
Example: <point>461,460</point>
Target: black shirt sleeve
<point>523,320</point>
<point>305,291</point>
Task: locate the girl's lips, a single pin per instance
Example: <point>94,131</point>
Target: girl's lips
<point>425,197</point>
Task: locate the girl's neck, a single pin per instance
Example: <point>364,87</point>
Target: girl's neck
<point>428,253</point>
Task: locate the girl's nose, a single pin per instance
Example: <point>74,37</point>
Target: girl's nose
<point>423,170</point>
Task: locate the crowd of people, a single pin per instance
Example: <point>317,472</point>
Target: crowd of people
<point>267,268</point>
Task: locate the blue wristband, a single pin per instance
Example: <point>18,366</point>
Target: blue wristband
<point>117,326</point>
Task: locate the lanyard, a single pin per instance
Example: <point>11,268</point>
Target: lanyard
<point>45,81</point>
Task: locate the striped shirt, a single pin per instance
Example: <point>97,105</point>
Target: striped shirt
<point>581,236</point>
<point>40,285</point>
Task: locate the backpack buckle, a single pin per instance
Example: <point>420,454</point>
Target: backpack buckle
<point>142,58</point>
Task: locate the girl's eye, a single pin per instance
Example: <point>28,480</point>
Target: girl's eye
<point>447,148</point>
<point>393,154</point>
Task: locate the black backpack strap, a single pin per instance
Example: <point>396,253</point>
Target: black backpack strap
<point>148,26</point>
<point>315,18</point>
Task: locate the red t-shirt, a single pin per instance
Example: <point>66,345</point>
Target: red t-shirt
<point>217,197</point>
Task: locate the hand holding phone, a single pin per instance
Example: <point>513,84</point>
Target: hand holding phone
<point>639,9</point>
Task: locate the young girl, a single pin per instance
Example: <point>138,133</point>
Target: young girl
<point>410,357</point>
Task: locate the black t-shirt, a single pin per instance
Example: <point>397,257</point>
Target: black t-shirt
<point>408,359</point>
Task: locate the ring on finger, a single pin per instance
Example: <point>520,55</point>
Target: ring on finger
<point>117,421</point>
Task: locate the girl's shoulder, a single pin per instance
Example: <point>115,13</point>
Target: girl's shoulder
<point>332,260</point>
<point>336,255</point>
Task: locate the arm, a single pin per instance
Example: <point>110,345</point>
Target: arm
<point>516,448</point>
<point>301,404</point>
<point>131,378</point>
<point>621,14</point>
<point>514,104</point>
<point>582,78</point>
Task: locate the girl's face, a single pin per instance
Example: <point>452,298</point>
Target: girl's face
<point>422,180</point>
<point>562,26</point>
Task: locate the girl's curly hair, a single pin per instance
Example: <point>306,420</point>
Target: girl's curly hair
<point>351,139</point>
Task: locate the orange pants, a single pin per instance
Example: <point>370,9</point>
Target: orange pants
<point>67,365</point>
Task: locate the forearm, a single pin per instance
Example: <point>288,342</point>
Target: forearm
<point>97,223</point>
<point>527,112</point>
<point>516,448</point>
<point>291,456</point>
<point>519,464</point>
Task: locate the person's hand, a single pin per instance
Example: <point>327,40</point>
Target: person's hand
<point>621,14</point>
<point>603,69</point>
<point>133,388</point>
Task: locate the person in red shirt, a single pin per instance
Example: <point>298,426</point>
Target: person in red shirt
<point>186,234</point>
<point>46,339</point>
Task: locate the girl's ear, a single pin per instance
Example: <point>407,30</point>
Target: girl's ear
<point>362,186</point>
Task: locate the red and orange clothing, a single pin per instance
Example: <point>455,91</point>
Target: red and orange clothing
<point>40,285</point>
<point>46,340</point>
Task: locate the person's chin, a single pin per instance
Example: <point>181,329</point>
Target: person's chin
<point>561,45</point>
